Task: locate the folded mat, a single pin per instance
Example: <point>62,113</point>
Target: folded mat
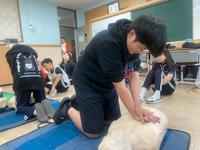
<point>68,137</point>
<point>10,119</point>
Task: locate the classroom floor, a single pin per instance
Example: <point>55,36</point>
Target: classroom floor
<point>182,110</point>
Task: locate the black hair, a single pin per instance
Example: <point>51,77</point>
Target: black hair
<point>169,60</point>
<point>70,59</point>
<point>150,31</point>
<point>47,61</point>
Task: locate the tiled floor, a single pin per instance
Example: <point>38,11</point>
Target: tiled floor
<point>182,110</point>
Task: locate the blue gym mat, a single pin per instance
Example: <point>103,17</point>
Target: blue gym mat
<point>175,140</point>
<point>68,137</point>
<point>10,119</point>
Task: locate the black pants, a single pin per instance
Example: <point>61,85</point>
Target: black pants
<point>154,77</point>
<point>96,108</point>
<point>23,99</point>
<point>59,87</point>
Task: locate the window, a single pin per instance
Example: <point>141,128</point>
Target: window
<point>66,17</point>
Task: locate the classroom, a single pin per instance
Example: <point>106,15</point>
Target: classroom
<point>99,74</point>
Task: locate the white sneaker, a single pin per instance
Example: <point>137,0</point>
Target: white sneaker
<point>142,99</point>
<point>153,100</point>
<point>142,94</point>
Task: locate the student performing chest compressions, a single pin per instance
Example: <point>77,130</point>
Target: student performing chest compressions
<point>99,75</point>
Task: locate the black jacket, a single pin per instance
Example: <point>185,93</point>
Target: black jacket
<point>28,83</point>
<point>104,59</point>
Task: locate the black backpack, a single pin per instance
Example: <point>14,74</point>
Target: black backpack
<point>27,66</point>
<point>191,45</point>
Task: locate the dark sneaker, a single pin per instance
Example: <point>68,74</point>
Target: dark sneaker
<point>61,113</point>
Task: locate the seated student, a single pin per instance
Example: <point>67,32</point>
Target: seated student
<point>27,81</point>
<point>162,75</point>
<point>58,77</point>
<point>68,65</point>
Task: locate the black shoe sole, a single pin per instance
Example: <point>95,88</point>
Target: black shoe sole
<point>59,117</point>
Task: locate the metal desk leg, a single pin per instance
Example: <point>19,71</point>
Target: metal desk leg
<point>181,81</point>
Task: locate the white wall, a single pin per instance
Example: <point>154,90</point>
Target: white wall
<point>196,19</point>
<point>81,13</point>
<point>39,20</point>
<point>9,20</point>
<point>103,24</point>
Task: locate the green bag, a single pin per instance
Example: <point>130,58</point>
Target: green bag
<point>8,95</point>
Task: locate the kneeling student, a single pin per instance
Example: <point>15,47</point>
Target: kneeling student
<point>98,77</point>
<point>161,76</point>
<point>57,76</point>
<point>27,81</point>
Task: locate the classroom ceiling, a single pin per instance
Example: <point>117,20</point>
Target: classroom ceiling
<point>74,4</point>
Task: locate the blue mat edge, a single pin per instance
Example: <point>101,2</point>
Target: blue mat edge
<point>24,122</point>
<point>50,124</point>
<point>18,124</point>
<point>188,146</point>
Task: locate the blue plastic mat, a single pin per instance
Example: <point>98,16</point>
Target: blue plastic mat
<point>68,137</point>
<point>10,119</point>
<point>176,140</point>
